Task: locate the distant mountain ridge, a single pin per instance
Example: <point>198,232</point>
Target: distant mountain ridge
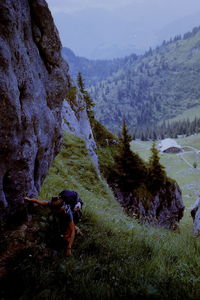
<point>146,89</point>
<point>157,86</point>
<point>93,70</point>
<point>105,34</point>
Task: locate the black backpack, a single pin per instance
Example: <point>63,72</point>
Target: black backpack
<point>71,198</point>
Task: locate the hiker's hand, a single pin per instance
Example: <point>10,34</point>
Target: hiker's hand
<point>77,206</point>
<point>27,199</point>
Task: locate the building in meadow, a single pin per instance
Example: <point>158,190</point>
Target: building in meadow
<point>169,146</point>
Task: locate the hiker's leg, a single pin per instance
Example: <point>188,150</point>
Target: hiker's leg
<point>69,237</point>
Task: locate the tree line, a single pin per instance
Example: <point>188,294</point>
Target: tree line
<point>167,129</point>
<point>130,173</point>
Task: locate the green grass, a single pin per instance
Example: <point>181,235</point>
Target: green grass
<point>116,259</point>
<point>193,140</point>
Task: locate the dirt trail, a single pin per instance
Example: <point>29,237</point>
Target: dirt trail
<point>192,150</point>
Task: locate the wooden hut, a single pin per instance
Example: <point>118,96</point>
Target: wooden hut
<point>169,146</point>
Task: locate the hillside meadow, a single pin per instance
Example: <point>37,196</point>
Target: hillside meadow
<point>117,258</point>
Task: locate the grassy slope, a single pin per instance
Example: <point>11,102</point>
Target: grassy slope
<point>116,258</point>
<point>187,114</point>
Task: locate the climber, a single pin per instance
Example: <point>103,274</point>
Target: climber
<point>67,212</point>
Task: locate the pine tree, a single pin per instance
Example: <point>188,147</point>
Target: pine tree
<point>154,136</point>
<point>89,105</point>
<point>88,101</point>
<point>129,170</point>
<point>157,174</point>
<point>80,83</point>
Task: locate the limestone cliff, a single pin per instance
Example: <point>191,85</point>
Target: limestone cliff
<point>33,83</point>
<point>75,121</point>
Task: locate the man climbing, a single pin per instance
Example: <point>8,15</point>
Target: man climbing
<point>67,206</point>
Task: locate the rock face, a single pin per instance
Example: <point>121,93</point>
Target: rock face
<point>195,213</point>
<point>33,83</point>
<point>165,209</point>
<point>76,121</point>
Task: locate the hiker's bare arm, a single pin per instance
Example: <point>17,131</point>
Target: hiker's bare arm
<point>39,202</point>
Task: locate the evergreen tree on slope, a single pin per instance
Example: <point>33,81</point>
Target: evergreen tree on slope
<point>157,175</point>
<point>129,170</point>
<point>88,101</point>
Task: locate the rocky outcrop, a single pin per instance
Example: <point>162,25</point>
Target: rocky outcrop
<point>33,83</point>
<point>75,121</point>
<point>164,209</point>
<point>195,213</point>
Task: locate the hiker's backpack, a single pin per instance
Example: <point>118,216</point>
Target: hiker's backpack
<point>72,198</point>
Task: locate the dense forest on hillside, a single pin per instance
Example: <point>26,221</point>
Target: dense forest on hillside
<point>173,130</point>
<point>160,85</point>
<point>144,90</point>
<point>93,70</point>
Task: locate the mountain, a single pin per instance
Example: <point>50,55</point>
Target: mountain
<point>178,27</point>
<point>105,30</point>
<point>101,34</point>
<point>93,70</point>
<point>119,50</point>
<point>159,85</point>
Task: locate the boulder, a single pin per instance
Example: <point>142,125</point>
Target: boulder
<point>33,83</point>
<point>164,209</point>
<point>195,213</point>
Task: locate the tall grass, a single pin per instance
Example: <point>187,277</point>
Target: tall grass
<point>116,258</point>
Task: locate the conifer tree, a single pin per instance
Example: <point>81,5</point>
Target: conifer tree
<point>129,170</point>
<point>80,83</point>
<point>143,137</point>
<point>89,105</point>
<point>157,174</point>
<point>88,101</point>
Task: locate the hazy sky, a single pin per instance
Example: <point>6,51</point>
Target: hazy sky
<point>109,28</point>
<point>69,6</point>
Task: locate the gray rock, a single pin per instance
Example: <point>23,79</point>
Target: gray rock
<point>33,83</point>
<point>165,209</point>
<point>75,121</point>
<point>195,213</point>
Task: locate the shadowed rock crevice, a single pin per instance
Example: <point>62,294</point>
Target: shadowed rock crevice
<point>33,83</point>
